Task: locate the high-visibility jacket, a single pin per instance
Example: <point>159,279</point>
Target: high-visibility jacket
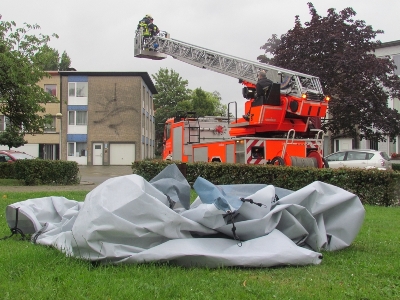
<point>153,29</point>
<point>144,23</point>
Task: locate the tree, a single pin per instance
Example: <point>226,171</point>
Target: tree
<point>12,137</point>
<point>202,104</point>
<point>340,51</point>
<point>49,59</point>
<point>64,62</point>
<point>21,99</point>
<point>207,104</point>
<point>219,108</point>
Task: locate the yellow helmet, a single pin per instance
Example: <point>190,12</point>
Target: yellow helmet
<point>149,16</point>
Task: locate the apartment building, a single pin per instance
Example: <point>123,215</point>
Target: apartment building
<point>103,118</point>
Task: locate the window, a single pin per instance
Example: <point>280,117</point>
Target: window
<point>5,121</point>
<point>77,149</point>
<point>143,95</point>
<point>167,132</point>
<point>77,117</point>
<point>50,127</point>
<point>71,149</point>
<point>78,89</point>
<point>336,157</point>
<point>51,89</point>
<point>373,144</point>
<point>4,158</point>
<point>351,155</point>
<point>369,156</point>
<point>81,149</point>
<point>257,152</point>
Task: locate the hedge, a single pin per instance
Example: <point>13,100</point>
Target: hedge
<point>371,186</point>
<point>396,165</point>
<point>40,171</point>
<point>7,170</point>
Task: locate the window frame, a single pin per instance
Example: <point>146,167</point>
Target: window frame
<point>74,113</point>
<point>82,149</point>
<point>50,91</point>
<point>74,89</point>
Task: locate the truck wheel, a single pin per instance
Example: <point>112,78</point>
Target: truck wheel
<point>277,161</point>
<point>325,163</point>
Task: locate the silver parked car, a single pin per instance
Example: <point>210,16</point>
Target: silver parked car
<point>366,159</point>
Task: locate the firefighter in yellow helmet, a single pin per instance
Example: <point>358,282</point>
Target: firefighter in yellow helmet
<point>144,24</point>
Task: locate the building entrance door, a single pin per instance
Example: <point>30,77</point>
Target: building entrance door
<point>97,154</point>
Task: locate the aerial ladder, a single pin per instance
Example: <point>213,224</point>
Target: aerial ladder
<point>293,98</point>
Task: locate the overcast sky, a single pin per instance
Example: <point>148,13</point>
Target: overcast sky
<point>99,35</point>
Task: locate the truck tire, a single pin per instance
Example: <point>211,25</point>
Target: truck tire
<point>277,161</point>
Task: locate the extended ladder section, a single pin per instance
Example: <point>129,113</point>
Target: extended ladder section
<point>292,83</point>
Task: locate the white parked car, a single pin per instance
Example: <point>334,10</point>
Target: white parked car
<point>366,159</point>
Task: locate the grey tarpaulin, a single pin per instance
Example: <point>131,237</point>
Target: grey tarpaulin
<point>130,220</point>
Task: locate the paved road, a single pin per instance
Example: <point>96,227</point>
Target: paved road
<point>91,176</point>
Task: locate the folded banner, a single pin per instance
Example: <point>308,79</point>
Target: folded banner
<point>130,220</point>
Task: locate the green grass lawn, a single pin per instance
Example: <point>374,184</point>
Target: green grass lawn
<point>368,269</point>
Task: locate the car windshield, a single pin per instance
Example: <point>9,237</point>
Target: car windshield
<point>385,156</point>
<point>22,156</point>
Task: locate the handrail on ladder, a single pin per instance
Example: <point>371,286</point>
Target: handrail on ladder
<point>320,140</point>
<point>286,142</point>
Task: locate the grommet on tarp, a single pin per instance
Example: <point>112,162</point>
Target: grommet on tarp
<point>15,229</point>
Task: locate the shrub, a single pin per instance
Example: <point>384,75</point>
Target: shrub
<point>396,166</point>
<point>7,170</point>
<point>39,171</point>
<point>371,186</point>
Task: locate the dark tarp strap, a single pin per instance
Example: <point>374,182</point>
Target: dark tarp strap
<point>170,201</point>
<point>235,236</point>
<point>36,235</point>
<point>252,202</point>
<point>15,229</point>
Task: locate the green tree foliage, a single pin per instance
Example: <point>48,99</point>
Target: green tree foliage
<point>219,108</point>
<point>64,62</point>
<point>12,137</point>
<point>207,104</point>
<point>49,59</point>
<point>203,104</point>
<point>21,98</point>
<point>340,50</point>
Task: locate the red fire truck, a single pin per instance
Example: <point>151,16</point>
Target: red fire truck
<point>276,131</point>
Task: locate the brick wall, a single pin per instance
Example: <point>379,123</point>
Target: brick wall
<point>114,111</point>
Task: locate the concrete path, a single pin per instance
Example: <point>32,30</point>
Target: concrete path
<point>91,176</point>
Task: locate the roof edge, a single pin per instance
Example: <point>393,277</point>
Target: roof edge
<point>145,76</point>
<point>389,44</point>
